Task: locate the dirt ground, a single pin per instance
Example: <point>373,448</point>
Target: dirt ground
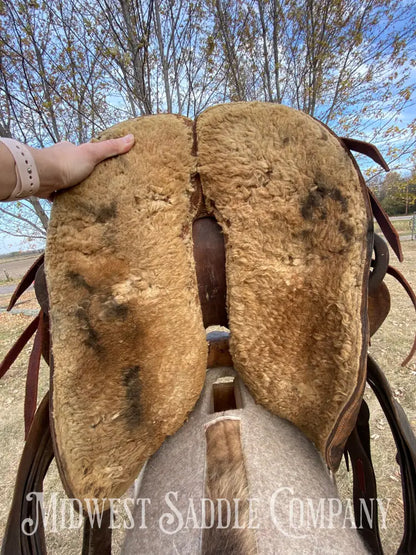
<point>389,347</point>
<point>15,268</point>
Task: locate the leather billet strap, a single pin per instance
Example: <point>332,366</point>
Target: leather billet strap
<point>34,326</point>
<point>364,482</point>
<point>32,377</point>
<point>406,451</point>
<point>41,289</point>
<point>379,265</point>
<point>97,539</point>
<point>408,288</point>
<point>389,231</point>
<point>34,463</point>
<point>18,346</point>
<point>40,326</point>
<point>367,149</point>
<point>379,305</point>
<point>26,281</point>
<point>41,292</point>
<point>380,215</point>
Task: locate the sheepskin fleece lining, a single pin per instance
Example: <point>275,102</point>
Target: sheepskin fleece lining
<point>129,347</point>
<point>294,217</point>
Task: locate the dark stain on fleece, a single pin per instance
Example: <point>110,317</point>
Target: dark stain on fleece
<point>79,281</point>
<point>106,213</point>
<point>102,214</point>
<point>131,382</point>
<point>347,231</point>
<point>115,311</point>
<point>314,206</point>
<point>92,339</point>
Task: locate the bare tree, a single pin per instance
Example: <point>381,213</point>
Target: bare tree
<point>348,64</point>
<point>70,68</point>
<point>52,89</point>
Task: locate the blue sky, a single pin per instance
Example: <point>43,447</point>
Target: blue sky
<point>13,244</point>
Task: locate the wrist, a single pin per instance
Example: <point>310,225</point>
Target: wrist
<point>50,175</point>
<point>9,177</point>
<point>26,178</point>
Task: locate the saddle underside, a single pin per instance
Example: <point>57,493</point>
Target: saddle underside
<point>128,340</point>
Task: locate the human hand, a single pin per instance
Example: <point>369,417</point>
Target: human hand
<point>64,164</point>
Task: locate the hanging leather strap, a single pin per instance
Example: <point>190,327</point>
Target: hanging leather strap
<point>389,231</point>
<point>26,281</point>
<point>378,307</point>
<point>380,215</point>
<point>406,451</point>
<point>32,377</point>
<point>364,482</point>
<point>367,149</point>
<point>97,539</point>
<point>379,264</point>
<point>40,326</point>
<point>18,346</point>
<point>34,463</point>
<point>408,288</point>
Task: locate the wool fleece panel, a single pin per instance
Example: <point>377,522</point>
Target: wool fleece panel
<point>129,347</point>
<point>297,227</point>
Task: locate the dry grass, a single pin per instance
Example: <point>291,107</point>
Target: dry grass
<point>389,347</point>
<point>12,388</point>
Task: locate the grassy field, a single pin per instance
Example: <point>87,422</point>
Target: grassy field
<point>389,347</point>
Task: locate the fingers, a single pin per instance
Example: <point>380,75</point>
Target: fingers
<point>105,149</point>
<point>64,165</point>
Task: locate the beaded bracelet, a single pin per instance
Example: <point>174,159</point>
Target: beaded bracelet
<point>27,177</point>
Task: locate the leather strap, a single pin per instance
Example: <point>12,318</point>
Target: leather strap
<point>34,463</point>
<point>41,289</point>
<point>26,281</point>
<point>18,346</point>
<point>364,482</point>
<point>32,378</point>
<point>406,451</point>
<point>390,233</point>
<point>378,307</point>
<point>379,264</point>
<point>380,215</point>
<point>368,149</point>
<point>408,288</point>
<point>97,540</point>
